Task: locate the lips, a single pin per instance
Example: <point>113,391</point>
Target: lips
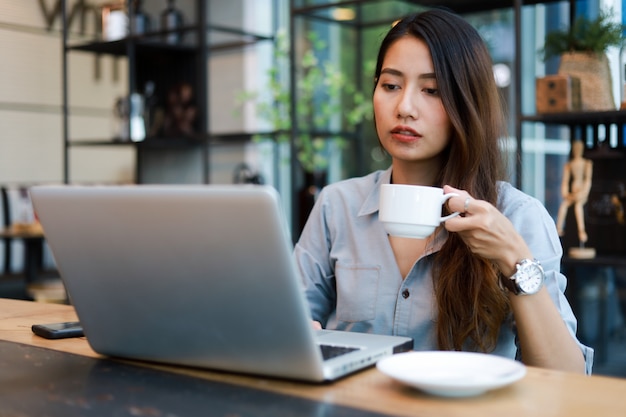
<point>405,133</point>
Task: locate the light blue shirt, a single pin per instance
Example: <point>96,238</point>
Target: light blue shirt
<point>352,280</point>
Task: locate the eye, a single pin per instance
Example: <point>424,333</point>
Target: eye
<point>432,91</point>
<point>389,86</point>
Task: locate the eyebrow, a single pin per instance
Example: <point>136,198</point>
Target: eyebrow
<point>391,71</point>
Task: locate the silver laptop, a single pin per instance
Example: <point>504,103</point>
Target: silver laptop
<point>199,276</point>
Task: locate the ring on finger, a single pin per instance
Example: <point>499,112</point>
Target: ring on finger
<point>466,205</point>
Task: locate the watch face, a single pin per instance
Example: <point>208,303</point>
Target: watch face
<point>529,277</point>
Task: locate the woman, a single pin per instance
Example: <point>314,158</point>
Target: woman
<point>438,116</point>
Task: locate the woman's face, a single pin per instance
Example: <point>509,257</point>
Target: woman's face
<point>411,122</point>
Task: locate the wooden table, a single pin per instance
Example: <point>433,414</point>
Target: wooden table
<point>540,393</point>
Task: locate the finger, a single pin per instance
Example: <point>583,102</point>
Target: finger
<point>450,189</point>
<point>316,325</point>
<point>460,203</point>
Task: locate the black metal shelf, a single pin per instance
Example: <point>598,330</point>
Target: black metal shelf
<point>578,117</point>
<point>578,121</point>
<point>119,47</point>
<point>153,40</point>
<point>151,58</point>
<point>154,142</point>
<point>365,17</point>
<point>470,6</point>
<point>175,142</point>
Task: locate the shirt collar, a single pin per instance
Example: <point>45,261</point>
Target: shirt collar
<point>372,201</point>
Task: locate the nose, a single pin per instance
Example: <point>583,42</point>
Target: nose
<point>407,106</point>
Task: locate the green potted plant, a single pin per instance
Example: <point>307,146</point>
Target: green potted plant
<point>325,94</point>
<point>584,35</point>
<point>582,48</point>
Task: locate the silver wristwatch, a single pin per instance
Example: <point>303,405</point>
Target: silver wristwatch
<point>527,280</point>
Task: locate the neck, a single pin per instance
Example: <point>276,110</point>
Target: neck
<point>415,173</point>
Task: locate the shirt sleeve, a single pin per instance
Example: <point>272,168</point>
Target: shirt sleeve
<point>312,259</point>
<point>536,226</point>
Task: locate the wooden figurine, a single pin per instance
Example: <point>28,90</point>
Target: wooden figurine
<point>575,187</point>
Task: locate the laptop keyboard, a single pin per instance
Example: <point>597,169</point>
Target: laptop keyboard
<point>332,351</point>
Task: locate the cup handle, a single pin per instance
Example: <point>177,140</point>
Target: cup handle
<point>445,198</point>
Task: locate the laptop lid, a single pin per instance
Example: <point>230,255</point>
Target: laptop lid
<point>199,276</point>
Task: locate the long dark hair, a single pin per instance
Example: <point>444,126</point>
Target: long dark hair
<point>471,306</point>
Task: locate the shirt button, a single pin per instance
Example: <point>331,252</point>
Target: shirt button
<point>405,294</point>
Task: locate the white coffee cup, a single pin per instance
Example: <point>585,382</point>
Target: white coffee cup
<point>412,211</point>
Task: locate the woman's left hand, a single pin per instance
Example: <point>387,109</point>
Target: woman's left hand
<point>486,231</point>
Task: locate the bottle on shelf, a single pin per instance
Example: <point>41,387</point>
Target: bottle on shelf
<point>172,20</point>
<point>141,20</point>
<point>26,213</point>
<point>150,108</point>
<point>115,23</point>
<point>136,118</point>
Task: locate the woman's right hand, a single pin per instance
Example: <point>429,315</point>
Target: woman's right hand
<point>316,325</point>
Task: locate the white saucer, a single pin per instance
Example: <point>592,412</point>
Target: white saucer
<point>452,374</point>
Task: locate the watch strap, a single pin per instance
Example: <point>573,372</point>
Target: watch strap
<point>509,284</point>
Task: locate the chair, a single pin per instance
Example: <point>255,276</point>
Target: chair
<point>6,222</point>
<point>31,239</point>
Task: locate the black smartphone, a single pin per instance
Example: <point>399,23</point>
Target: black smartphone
<point>58,330</point>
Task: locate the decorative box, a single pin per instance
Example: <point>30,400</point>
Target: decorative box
<point>557,93</point>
